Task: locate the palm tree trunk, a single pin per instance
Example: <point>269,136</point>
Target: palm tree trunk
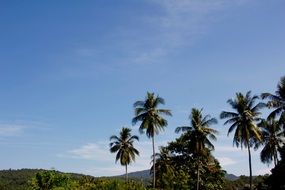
<point>250,170</point>
<point>274,159</point>
<point>153,153</point>
<point>198,175</point>
<point>126,177</point>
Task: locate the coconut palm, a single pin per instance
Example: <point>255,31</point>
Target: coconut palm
<point>272,140</point>
<point>243,122</point>
<point>123,146</point>
<point>164,168</point>
<point>199,134</point>
<point>151,119</point>
<point>277,102</point>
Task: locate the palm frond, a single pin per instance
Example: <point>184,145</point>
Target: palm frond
<point>281,88</point>
<point>139,111</point>
<point>158,100</point>
<point>139,104</point>
<point>182,129</point>
<point>133,138</point>
<point>271,97</point>
<point>226,114</point>
<point>258,106</point>
<point>164,112</point>
<point>114,138</point>
<point>209,122</point>
<point>275,113</point>
<point>138,118</point>
<point>232,127</point>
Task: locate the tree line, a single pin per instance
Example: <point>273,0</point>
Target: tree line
<point>187,162</point>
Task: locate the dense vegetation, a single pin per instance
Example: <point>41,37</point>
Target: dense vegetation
<point>35,179</point>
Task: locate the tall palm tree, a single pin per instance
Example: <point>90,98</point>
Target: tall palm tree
<point>277,101</point>
<point>200,134</point>
<point>123,146</point>
<point>151,119</point>
<point>243,121</point>
<point>272,135</point>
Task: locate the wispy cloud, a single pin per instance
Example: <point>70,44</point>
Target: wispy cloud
<point>175,24</point>
<point>225,161</point>
<point>19,127</point>
<point>185,20</point>
<point>154,40</point>
<point>99,152</point>
<point>7,130</point>
<point>90,151</point>
<point>179,23</point>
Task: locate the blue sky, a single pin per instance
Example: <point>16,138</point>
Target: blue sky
<point>71,70</point>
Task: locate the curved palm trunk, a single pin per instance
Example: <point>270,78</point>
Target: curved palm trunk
<point>153,153</point>
<point>250,170</point>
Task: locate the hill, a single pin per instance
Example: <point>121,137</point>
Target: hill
<point>18,179</point>
<point>145,175</point>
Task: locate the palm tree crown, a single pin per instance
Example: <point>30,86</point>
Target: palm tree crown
<point>277,101</point>
<point>150,116</point>
<point>123,146</point>
<point>243,121</point>
<point>151,119</point>
<point>272,139</point>
<point>199,131</point>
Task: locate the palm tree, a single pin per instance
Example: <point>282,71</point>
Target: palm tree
<point>277,102</point>
<point>243,121</point>
<point>272,139</point>
<point>123,146</point>
<point>199,133</point>
<point>164,168</point>
<point>152,122</point>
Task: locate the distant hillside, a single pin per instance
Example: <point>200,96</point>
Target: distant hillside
<point>18,179</point>
<point>144,174</point>
<point>231,177</point>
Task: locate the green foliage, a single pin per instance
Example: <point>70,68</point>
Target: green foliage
<point>259,183</point>
<point>15,179</point>
<point>50,180</point>
<point>111,184</point>
<point>272,135</point>
<point>188,161</point>
<point>277,102</point>
<point>123,146</point>
<point>150,116</point>
<point>27,179</point>
<point>278,172</point>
